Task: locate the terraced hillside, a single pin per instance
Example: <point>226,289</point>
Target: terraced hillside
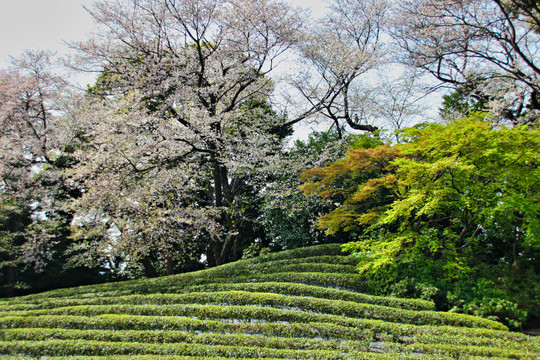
<point>298,304</point>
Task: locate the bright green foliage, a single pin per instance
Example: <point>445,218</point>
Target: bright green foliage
<point>456,203</point>
<point>478,175</point>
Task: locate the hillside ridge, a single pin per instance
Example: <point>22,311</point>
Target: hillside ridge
<point>297,304</point>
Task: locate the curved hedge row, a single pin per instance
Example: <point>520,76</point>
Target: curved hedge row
<point>325,251</point>
<point>175,283</point>
<point>221,274</point>
<point>269,287</point>
<point>323,330</point>
<point>298,304</point>
<point>343,350</point>
<point>152,304</point>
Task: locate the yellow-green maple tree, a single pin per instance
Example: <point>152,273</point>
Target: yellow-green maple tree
<point>461,178</point>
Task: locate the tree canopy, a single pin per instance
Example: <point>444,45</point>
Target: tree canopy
<point>456,195</point>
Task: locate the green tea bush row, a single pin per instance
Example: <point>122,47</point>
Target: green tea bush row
<point>315,291</point>
<point>319,259</point>
<point>232,297</point>
<point>95,347</point>
<point>243,312</point>
<point>325,252</point>
<point>342,274</point>
<point>180,357</point>
<point>129,322</point>
<point>335,307</point>
<point>125,357</point>
<point>213,312</point>
<point>310,264</point>
<point>90,347</point>
<point>274,267</point>
<point>169,357</point>
<point>459,352</point>
<point>307,252</point>
<point>274,287</point>
<point>351,329</point>
<point>297,324</point>
<point>466,340</point>
<point>328,259</point>
<point>296,304</point>
<point>352,282</point>
<point>358,340</point>
<point>345,281</point>
<point>319,330</point>
<point>151,336</point>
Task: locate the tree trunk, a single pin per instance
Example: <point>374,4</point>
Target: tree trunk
<point>226,249</point>
<point>211,255</point>
<point>516,263</point>
<point>218,186</point>
<point>170,265</point>
<point>236,248</point>
<point>12,281</point>
<point>149,269</point>
<point>219,253</point>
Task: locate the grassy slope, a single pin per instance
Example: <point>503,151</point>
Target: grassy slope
<point>297,304</point>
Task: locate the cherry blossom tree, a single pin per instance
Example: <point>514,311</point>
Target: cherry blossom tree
<point>484,48</point>
<point>27,98</point>
<point>30,94</point>
<point>338,54</point>
<point>178,125</point>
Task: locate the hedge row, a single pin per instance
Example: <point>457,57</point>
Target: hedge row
<point>345,281</point>
<point>351,282</point>
<point>307,252</point>
<point>278,323</point>
<point>298,289</point>
<point>273,287</point>
<point>95,347</point>
<point>89,347</point>
<point>179,357</point>
<point>328,259</point>
<point>333,307</point>
<point>238,312</point>
<point>267,307</point>
<point>358,340</point>
<point>336,275</point>
<point>163,337</point>
<point>124,357</point>
<point>152,305</point>
<point>244,267</point>
<point>341,281</point>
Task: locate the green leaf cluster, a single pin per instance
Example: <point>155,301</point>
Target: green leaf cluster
<point>455,202</point>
